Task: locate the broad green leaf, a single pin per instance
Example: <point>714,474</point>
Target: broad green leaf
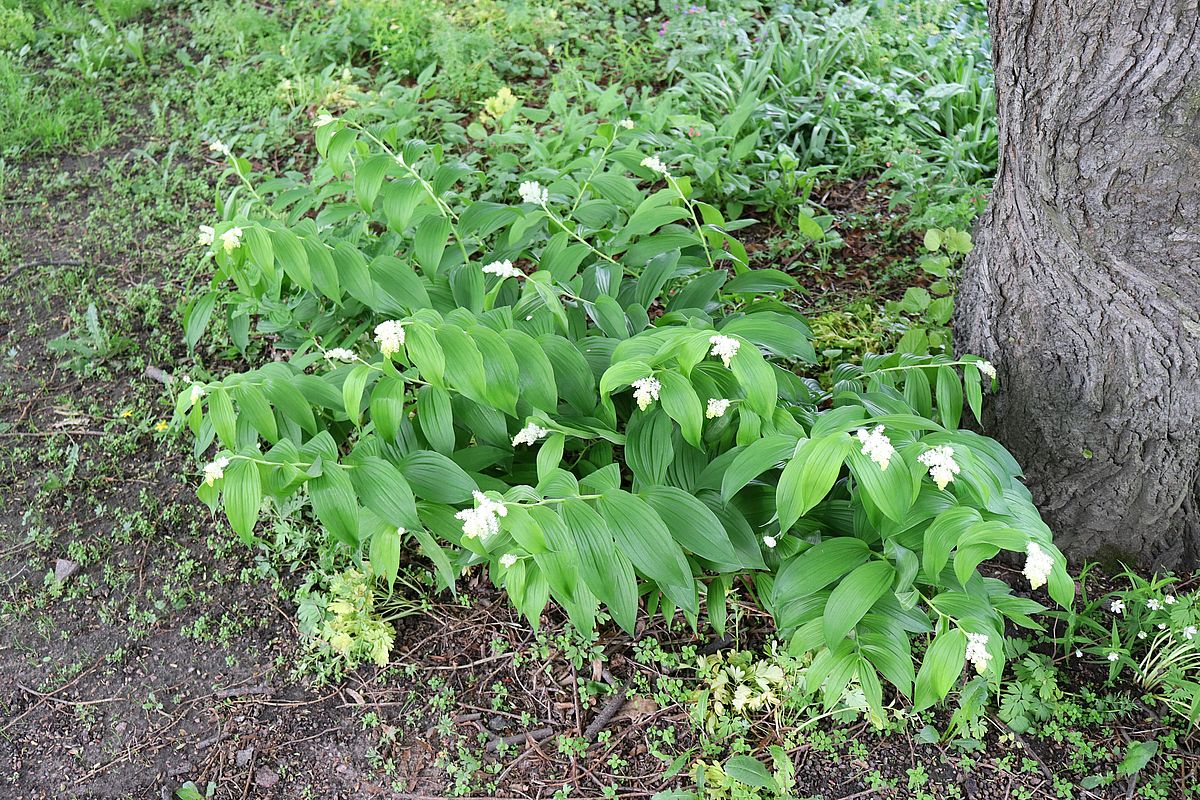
<point>691,523</point>
<point>754,459</point>
<point>808,477</point>
<point>335,503</point>
<point>642,536</point>
<point>436,419</point>
<point>854,596</point>
<point>241,490</point>
<point>434,477</point>
<point>683,405</point>
<point>942,665</point>
<point>382,488</point>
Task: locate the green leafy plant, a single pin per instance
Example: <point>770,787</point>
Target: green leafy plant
<point>589,394</point>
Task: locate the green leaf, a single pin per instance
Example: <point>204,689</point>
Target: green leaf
<point>352,392</point>
<point>641,534</point>
<point>757,378</point>
<point>436,418</point>
<point>808,477</point>
<point>430,242</point>
<point>196,318</point>
<point>854,596</point>
<point>683,405</point>
<point>387,407</point>
<point>817,567</point>
<point>606,571</point>
<point>750,771</point>
<point>941,667</point>
<point>254,407</point>
<point>692,524</point>
<point>434,477</point>
<point>437,555</point>
<point>1137,756</point>
<point>754,459</point>
<point>649,449</point>
<point>241,489</point>
<point>383,490</point>
<point>949,397</point>
<point>335,503</point>
<point>941,537</point>
<point>384,553</point>
<point>892,490</point>
<point>220,411</point>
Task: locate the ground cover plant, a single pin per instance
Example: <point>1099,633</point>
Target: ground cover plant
<point>572,390</point>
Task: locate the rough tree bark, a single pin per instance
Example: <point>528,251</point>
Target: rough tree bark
<point>1084,286</point>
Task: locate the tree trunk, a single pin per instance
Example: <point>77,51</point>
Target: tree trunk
<point>1084,286</point>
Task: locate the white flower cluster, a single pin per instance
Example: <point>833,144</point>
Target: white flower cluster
<point>217,146</point>
<point>655,164</point>
<point>508,560</point>
<point>231,239</point>
<point>716,407</point>
<point>206,236</point>
<point>770,542</point>
<point>987,368</point>
<point>1038,564</point>
<point>977,652</point>
<point>877,446</point>
<point>534,192</point>
<point>483,520</point>
<point>340,354</point>
<point>942,467</point>
<point>627,124</point>
<point>726,347</point>
<point>215,471</point>
<point>390,337</point>
<point>195,395</point>
<point>645,391</point>
<point>530,434</point>
<point>503,269</point>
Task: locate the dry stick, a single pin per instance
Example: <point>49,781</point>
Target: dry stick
<point>539,735</point>
<point>54,699</point>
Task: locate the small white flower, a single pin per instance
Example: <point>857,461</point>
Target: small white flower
<point>655,164</point>
<point>942,467</point>
<point>770,541</point>
<point>1079,654</point>
<point>1162,626</point>
<point>716,407</point>
<point>529,435</point>
<point>1154,604</point>
<point>231,239</point>
<point>534,192</point>
<point>627,124</point>
<point>1038,564</point>
<point>217,146</point>
<point>877,446</point>
<point>1142,634</point>
<point>977,652</point>
<point>340,354</point>
<point>1169,599</point>
<point>508,560</point>
<point>323,119</point>
<point>195,395</point>
<point>390,337</point>
<point>645,391</point>
<point>1113,656</point>
<point>1117,606</point>
<point>1189,632</point>
<point>724,346</point>
<point>483,520</point>
<point>503,269</point>
<point>214,471</point>
<point>987,368</point>
<point>206,236</point>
